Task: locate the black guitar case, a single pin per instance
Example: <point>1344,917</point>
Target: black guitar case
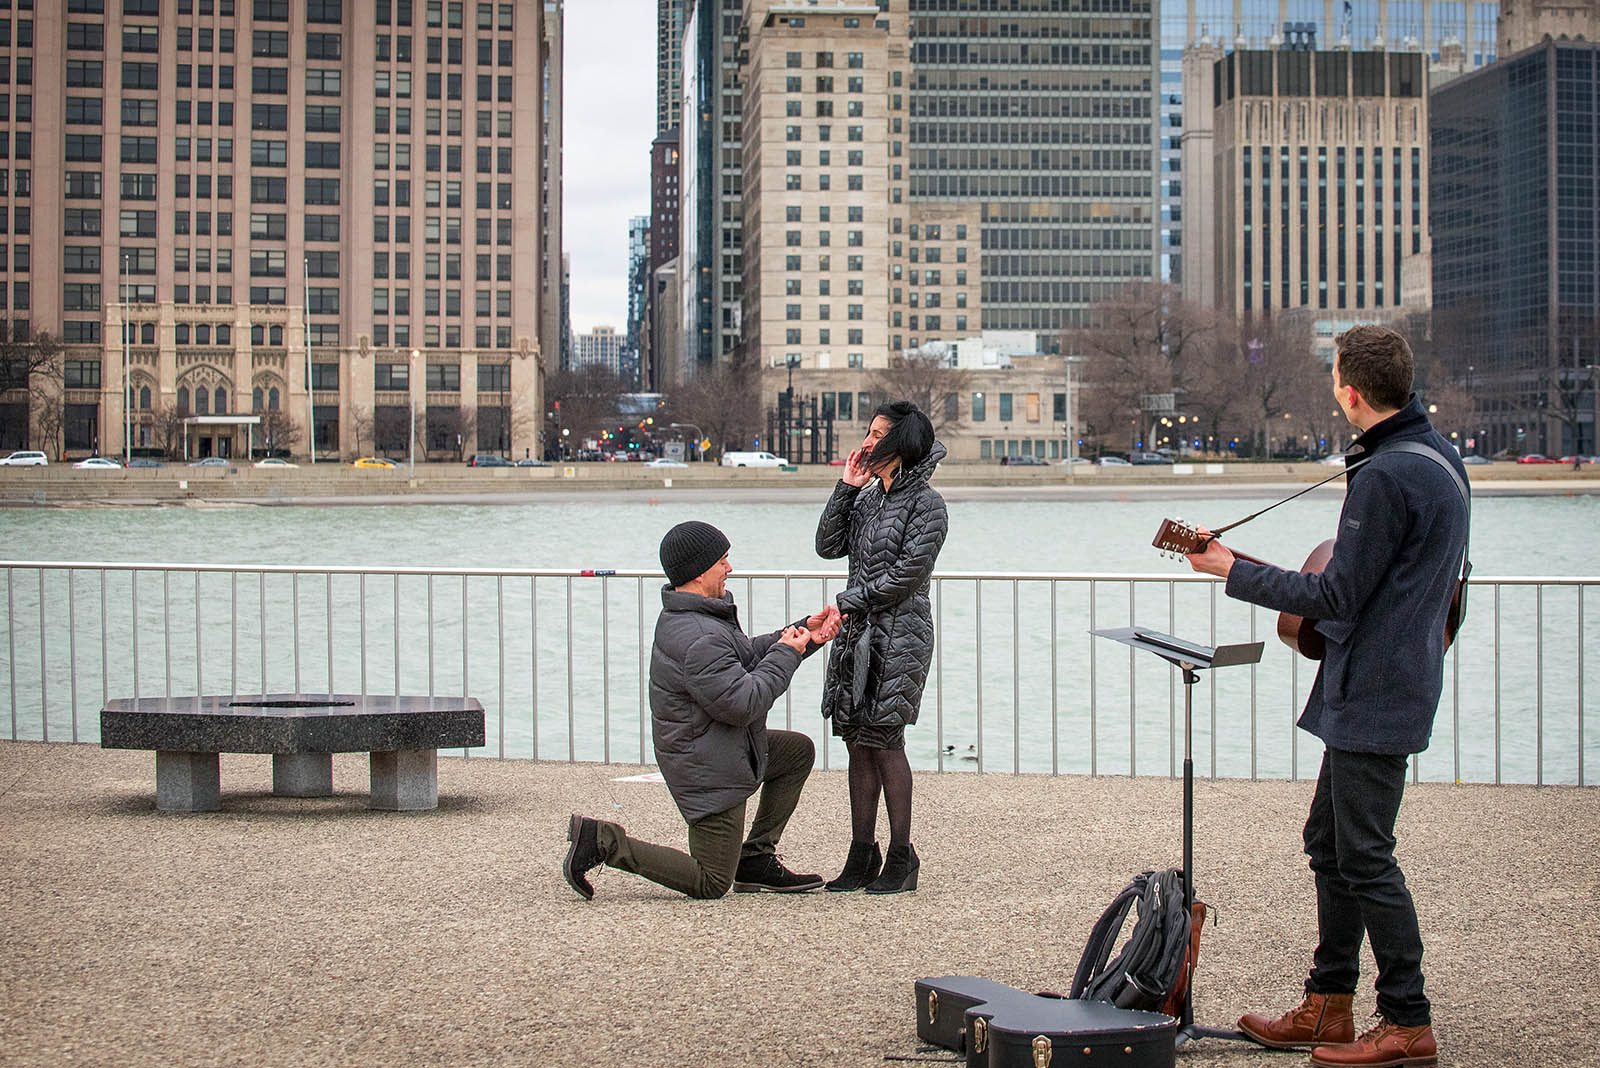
<point>999,1026</point>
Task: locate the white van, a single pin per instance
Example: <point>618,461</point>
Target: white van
<point>752,459</point>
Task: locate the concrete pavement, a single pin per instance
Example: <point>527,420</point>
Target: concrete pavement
<point>317,932</point>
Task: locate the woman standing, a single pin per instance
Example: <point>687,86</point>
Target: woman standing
<point>891,524</point>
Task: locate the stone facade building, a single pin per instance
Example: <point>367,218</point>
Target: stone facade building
<point>318,214</point>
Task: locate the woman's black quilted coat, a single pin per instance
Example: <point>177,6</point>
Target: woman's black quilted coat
<point>893,540</point>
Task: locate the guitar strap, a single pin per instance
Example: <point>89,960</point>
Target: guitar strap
<point>1419,449</point>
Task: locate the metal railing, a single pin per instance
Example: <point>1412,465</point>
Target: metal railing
<point>560,660</point>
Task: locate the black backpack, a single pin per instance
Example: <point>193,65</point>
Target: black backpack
<point>1152,970</point>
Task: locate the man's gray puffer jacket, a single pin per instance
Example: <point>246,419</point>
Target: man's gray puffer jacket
<point>893,541</point>
<point>710,689</point>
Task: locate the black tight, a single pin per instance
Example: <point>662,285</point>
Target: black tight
<point>873,771</point>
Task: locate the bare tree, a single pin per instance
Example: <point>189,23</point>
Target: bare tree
<point>167,428</point>
<point>1213,387</point>
<point>925,379</point>
<point>467,430</point>
<point>361,427</point>
<point>1136,345</point>
<point>723,403</point>
<point>32,368</point>
<point>1281,375</point>
<point>49,415</point>
<point>523,418</point>
<point>279,432</point>
<point>583,401</point>
<point>1446,399</point>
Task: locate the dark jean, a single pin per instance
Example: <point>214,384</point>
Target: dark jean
<point>718,843</point>
<point>1349,837</point>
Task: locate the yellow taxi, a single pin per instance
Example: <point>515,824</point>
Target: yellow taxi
<point>374,461</point>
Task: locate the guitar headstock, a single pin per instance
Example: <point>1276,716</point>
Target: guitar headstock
<point>1178,538</point>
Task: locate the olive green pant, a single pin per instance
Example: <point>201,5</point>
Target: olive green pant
<point>717,842</point>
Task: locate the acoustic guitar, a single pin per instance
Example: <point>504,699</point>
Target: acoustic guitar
<point>1297,632</point>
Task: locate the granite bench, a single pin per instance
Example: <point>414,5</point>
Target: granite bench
<point>302,732</point>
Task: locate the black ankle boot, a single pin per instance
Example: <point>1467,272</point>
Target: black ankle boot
<point>899,871</point>
<point>860,868</point>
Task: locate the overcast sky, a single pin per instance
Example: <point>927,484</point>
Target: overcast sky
<point>610,113</point>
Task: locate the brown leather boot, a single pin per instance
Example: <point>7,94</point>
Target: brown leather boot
<point>1386,1045</point>
<point>1321,1020</point>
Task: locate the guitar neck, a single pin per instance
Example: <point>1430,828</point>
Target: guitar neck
<point>1246,557</point>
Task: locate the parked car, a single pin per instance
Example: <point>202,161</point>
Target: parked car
<point>1537,458</point>
<point>752,459</point>
<point>211,461</point>
<point>145,461</point>
<point>1023,461</point>
<point>1114,461</point>
<point>1333,459</point>
<point>274,461</point>
<point>1475,459</point>
<point>528,461</point>
<point>1077,461</point>
<point>25,458</point>
<point>374,461</point>
<point>488,459</point>
<point>93,463</point>
<point>1569,460</point>
<point>1148,459</point>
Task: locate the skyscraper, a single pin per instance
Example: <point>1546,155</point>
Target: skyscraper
<point>314,213</point>
<point>602,345</point>
<point>711,213</point>
<point>1319,178</point>
<point>669,64</point>
<point>1043,117</point>
<point>840,273</point>
<point>1443,30</point>
<point>638,289</point>
<point>1516,304</point>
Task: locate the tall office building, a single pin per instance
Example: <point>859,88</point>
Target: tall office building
<point>711,212</point>
<point>638,291</point>
<point>329,210</point>
<point>840,271</point>
<point>1043,117</point>
<point>553,328</point>
<point>1319,178</point>
<point>669,64</point>
<point>1447,32</point>
<point>602,345</point>
<point>1515,238</point>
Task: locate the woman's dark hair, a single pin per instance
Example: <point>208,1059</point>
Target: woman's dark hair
<point>910,436</point>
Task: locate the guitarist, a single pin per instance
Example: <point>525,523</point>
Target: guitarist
<point>1382,603</point>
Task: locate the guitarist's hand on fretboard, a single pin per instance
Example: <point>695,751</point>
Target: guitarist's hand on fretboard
<point>1212,557</point>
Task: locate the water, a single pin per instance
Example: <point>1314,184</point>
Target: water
<point>1047,695</point>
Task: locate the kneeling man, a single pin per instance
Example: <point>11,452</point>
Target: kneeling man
<point>711,687</point>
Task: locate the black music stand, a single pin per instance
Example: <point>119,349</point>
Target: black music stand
<point>1190,659</point>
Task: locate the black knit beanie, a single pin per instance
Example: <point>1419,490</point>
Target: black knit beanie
<point>690,550</point>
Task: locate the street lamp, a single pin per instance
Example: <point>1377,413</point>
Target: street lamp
<point>1072,435</point>
<point>127,374</point>
<point>411,430</point>
<point>698,436</point>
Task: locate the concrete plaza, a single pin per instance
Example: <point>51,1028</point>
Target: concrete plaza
<point>317,932</point>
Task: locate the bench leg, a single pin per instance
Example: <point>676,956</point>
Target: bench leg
<point>405,780</point>
<point>302,774</point>
<point>188,782</point>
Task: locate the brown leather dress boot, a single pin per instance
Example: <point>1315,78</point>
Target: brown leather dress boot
<point>1386,1045</point>
<point>1321,1020</point>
